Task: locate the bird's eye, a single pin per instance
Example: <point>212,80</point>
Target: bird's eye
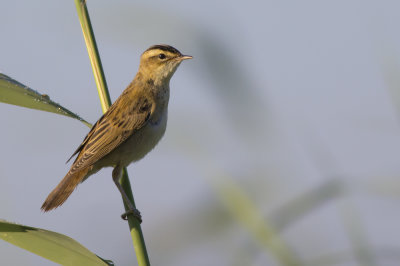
<point>161,56</point>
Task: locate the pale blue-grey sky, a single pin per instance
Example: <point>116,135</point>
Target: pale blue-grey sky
<point>281,97</point>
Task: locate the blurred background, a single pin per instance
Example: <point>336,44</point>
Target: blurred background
<point>283,140</point>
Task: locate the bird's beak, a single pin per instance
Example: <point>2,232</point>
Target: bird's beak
<point>184,57</point>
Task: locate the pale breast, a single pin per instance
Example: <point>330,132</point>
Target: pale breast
<point>137,145</point>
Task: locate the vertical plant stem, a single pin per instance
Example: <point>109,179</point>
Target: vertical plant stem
<point>134,226</point>
<point>94,56</point>
<point>363,253</point>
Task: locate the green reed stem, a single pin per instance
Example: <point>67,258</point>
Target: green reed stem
<point>134,226</point>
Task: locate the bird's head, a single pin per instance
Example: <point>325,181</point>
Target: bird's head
<point>160,62</point>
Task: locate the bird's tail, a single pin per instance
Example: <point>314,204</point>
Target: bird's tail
<point>63,190</point>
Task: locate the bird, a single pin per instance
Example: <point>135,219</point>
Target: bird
<point>128,130</point>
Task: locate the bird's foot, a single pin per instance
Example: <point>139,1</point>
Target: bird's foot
<point>134,212</point>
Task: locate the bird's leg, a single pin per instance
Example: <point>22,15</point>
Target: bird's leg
<point>116,175</point>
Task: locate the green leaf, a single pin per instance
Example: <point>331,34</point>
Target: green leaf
<point>50,245</point>
<point>14,92</point>
<point>239,204</point>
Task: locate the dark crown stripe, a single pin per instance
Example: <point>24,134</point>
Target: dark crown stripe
<point>164,47</point>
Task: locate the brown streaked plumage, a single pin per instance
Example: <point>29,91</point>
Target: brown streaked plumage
<point>130,128</point>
